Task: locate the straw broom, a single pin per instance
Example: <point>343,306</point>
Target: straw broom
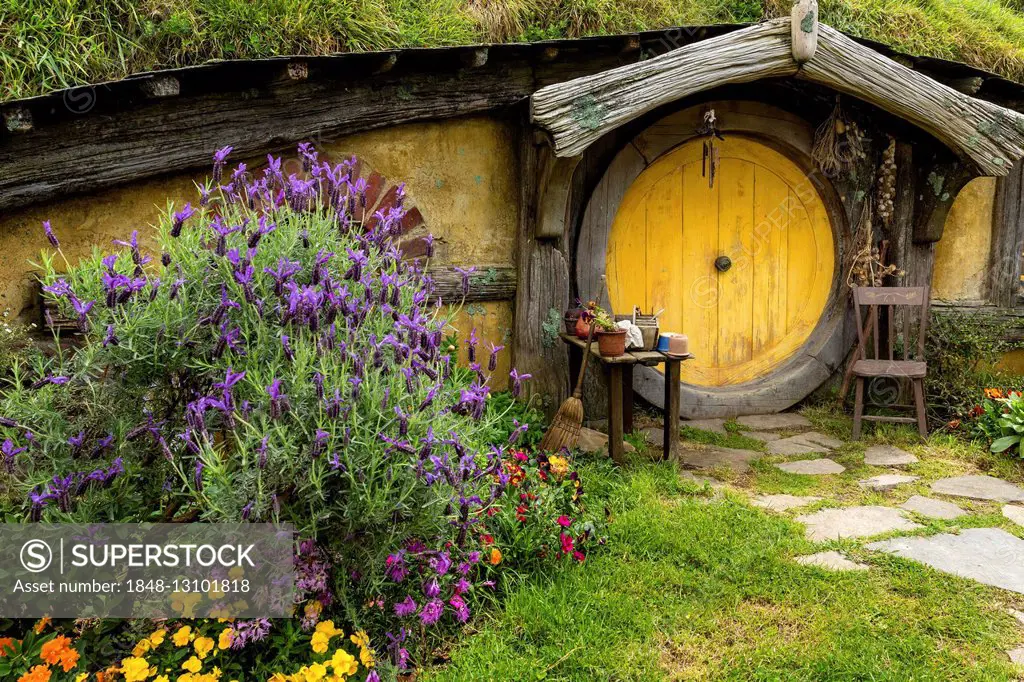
<point>564,431</point>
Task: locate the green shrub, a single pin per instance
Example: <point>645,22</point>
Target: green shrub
<point>278,361</point>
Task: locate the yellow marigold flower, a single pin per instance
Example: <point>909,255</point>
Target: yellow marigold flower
<point>495,556</point>
<point>360,638</point>
<point>278,677</point>
<point>135,669</point>
<point>224,640</point>
<point>162,678</point>
<point>366,657</point>
<point>203,646</point>
<point>182,636</point>
<point>343,663</point>
<point>193,665</point>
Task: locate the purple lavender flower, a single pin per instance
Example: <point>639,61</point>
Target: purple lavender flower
<point>50,236</point>
<point>517,381</point>
<point>197,476</point>
<point>261,451</point>
<point>278,400</point>
<point>471,344</point>
<point>111,337</point>
<point>219,157</point>
<point>287,348</point>
<point>465,272</point>
<point>428,242</point>
<point>179,220</point>
<point>57,381</point>
<point>59,288</point>
<point>9,452</point>
<point>319,442</point>
<point>492,361</point>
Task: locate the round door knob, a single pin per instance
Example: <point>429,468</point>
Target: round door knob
<point>723,263</point>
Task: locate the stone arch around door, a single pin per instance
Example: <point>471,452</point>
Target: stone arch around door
<point>784,140</point>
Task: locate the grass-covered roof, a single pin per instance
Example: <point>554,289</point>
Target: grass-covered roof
<point>47,45</point>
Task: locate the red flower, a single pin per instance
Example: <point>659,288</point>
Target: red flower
<point>486,539</point>
<point>520,455</point>
<point>563,521</point>
<point>567,543</point>
<point>578,556</point>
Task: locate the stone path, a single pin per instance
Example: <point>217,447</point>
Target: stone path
<point>855,522</point>
<point>812,467</point>
<point>887,456</point>
<point>710,458</point>
<point>1014,513</point>
<point>988,555</point>
<point>783,502</point>
<point>886,482</point>
<point>979,488</point>
<point>932,508</point>
<point>833,561</point>
<point>596,442</point>
<point>769,422</point>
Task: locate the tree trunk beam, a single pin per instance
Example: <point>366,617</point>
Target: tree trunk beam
<point>578,112</point>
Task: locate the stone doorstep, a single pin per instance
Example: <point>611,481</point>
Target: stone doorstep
<point>712,425</point>
<point>596,442</point>
<point>832,561</point>
<point>932,508</point>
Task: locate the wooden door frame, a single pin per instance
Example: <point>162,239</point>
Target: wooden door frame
<point>786,133</point>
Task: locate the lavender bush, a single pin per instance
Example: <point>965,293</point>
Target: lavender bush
<point>276,361</point>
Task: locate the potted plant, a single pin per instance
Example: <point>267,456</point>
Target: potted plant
<point>571,318</point>
<point>611,341</point>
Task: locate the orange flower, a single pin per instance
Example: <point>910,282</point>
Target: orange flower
<point>68,659</point>
<point>53,649</point>
<point>41,625</point>
<point>495,556</point>
<point>39,673</point>
<point>6,643</point>
<point>993,393</point>
<point>954,424</point>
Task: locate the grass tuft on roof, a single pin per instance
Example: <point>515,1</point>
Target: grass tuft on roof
<point>47,45</point>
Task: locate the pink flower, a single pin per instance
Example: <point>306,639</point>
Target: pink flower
<point>563,521</point>
<point>567,543</point>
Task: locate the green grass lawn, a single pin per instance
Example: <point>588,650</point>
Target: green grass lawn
<point>697,586</point>
<point>47,45</point>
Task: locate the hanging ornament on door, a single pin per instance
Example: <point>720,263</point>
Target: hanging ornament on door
<point>709,129</point>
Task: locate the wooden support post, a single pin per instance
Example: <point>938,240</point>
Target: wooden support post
<point>627,399</point>
<point>615,433</point>
<point>671,435</point>
<point>804,30</point>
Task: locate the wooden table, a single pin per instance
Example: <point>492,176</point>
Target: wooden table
<point>619,371</point>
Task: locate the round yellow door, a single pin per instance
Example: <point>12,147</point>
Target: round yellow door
<point>743,265</point>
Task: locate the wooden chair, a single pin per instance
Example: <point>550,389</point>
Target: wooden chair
<point>880,335</point>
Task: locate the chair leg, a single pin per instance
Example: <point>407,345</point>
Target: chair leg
<point>858,407</point>
<point>922,417</point>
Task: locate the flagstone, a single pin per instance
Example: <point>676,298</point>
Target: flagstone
<point>988,555</point>
<point>821,439</point>
<point>710,458</point>
<point>1017,655</point>
<point>812,467</point>
<point>854,522</point>
<point>783,502</point>
<point>765,436</point>
<point>769,422</point>
<point>833,561</point>
<point>794,446</point>
<point>887,456</point>
<point>932,508</point>
<point>713,425</point>
<point>1014,513</point>
<point>979,488</point>
<point>886,482</point>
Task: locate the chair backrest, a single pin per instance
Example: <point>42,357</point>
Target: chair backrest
<point>880,333</point>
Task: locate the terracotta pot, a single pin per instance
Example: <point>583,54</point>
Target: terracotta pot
<point>583,329</point>
<point>611,344</point>
<point>570,318</point>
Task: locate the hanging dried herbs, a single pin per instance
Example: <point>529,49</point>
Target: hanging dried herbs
<point>838,142</point>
